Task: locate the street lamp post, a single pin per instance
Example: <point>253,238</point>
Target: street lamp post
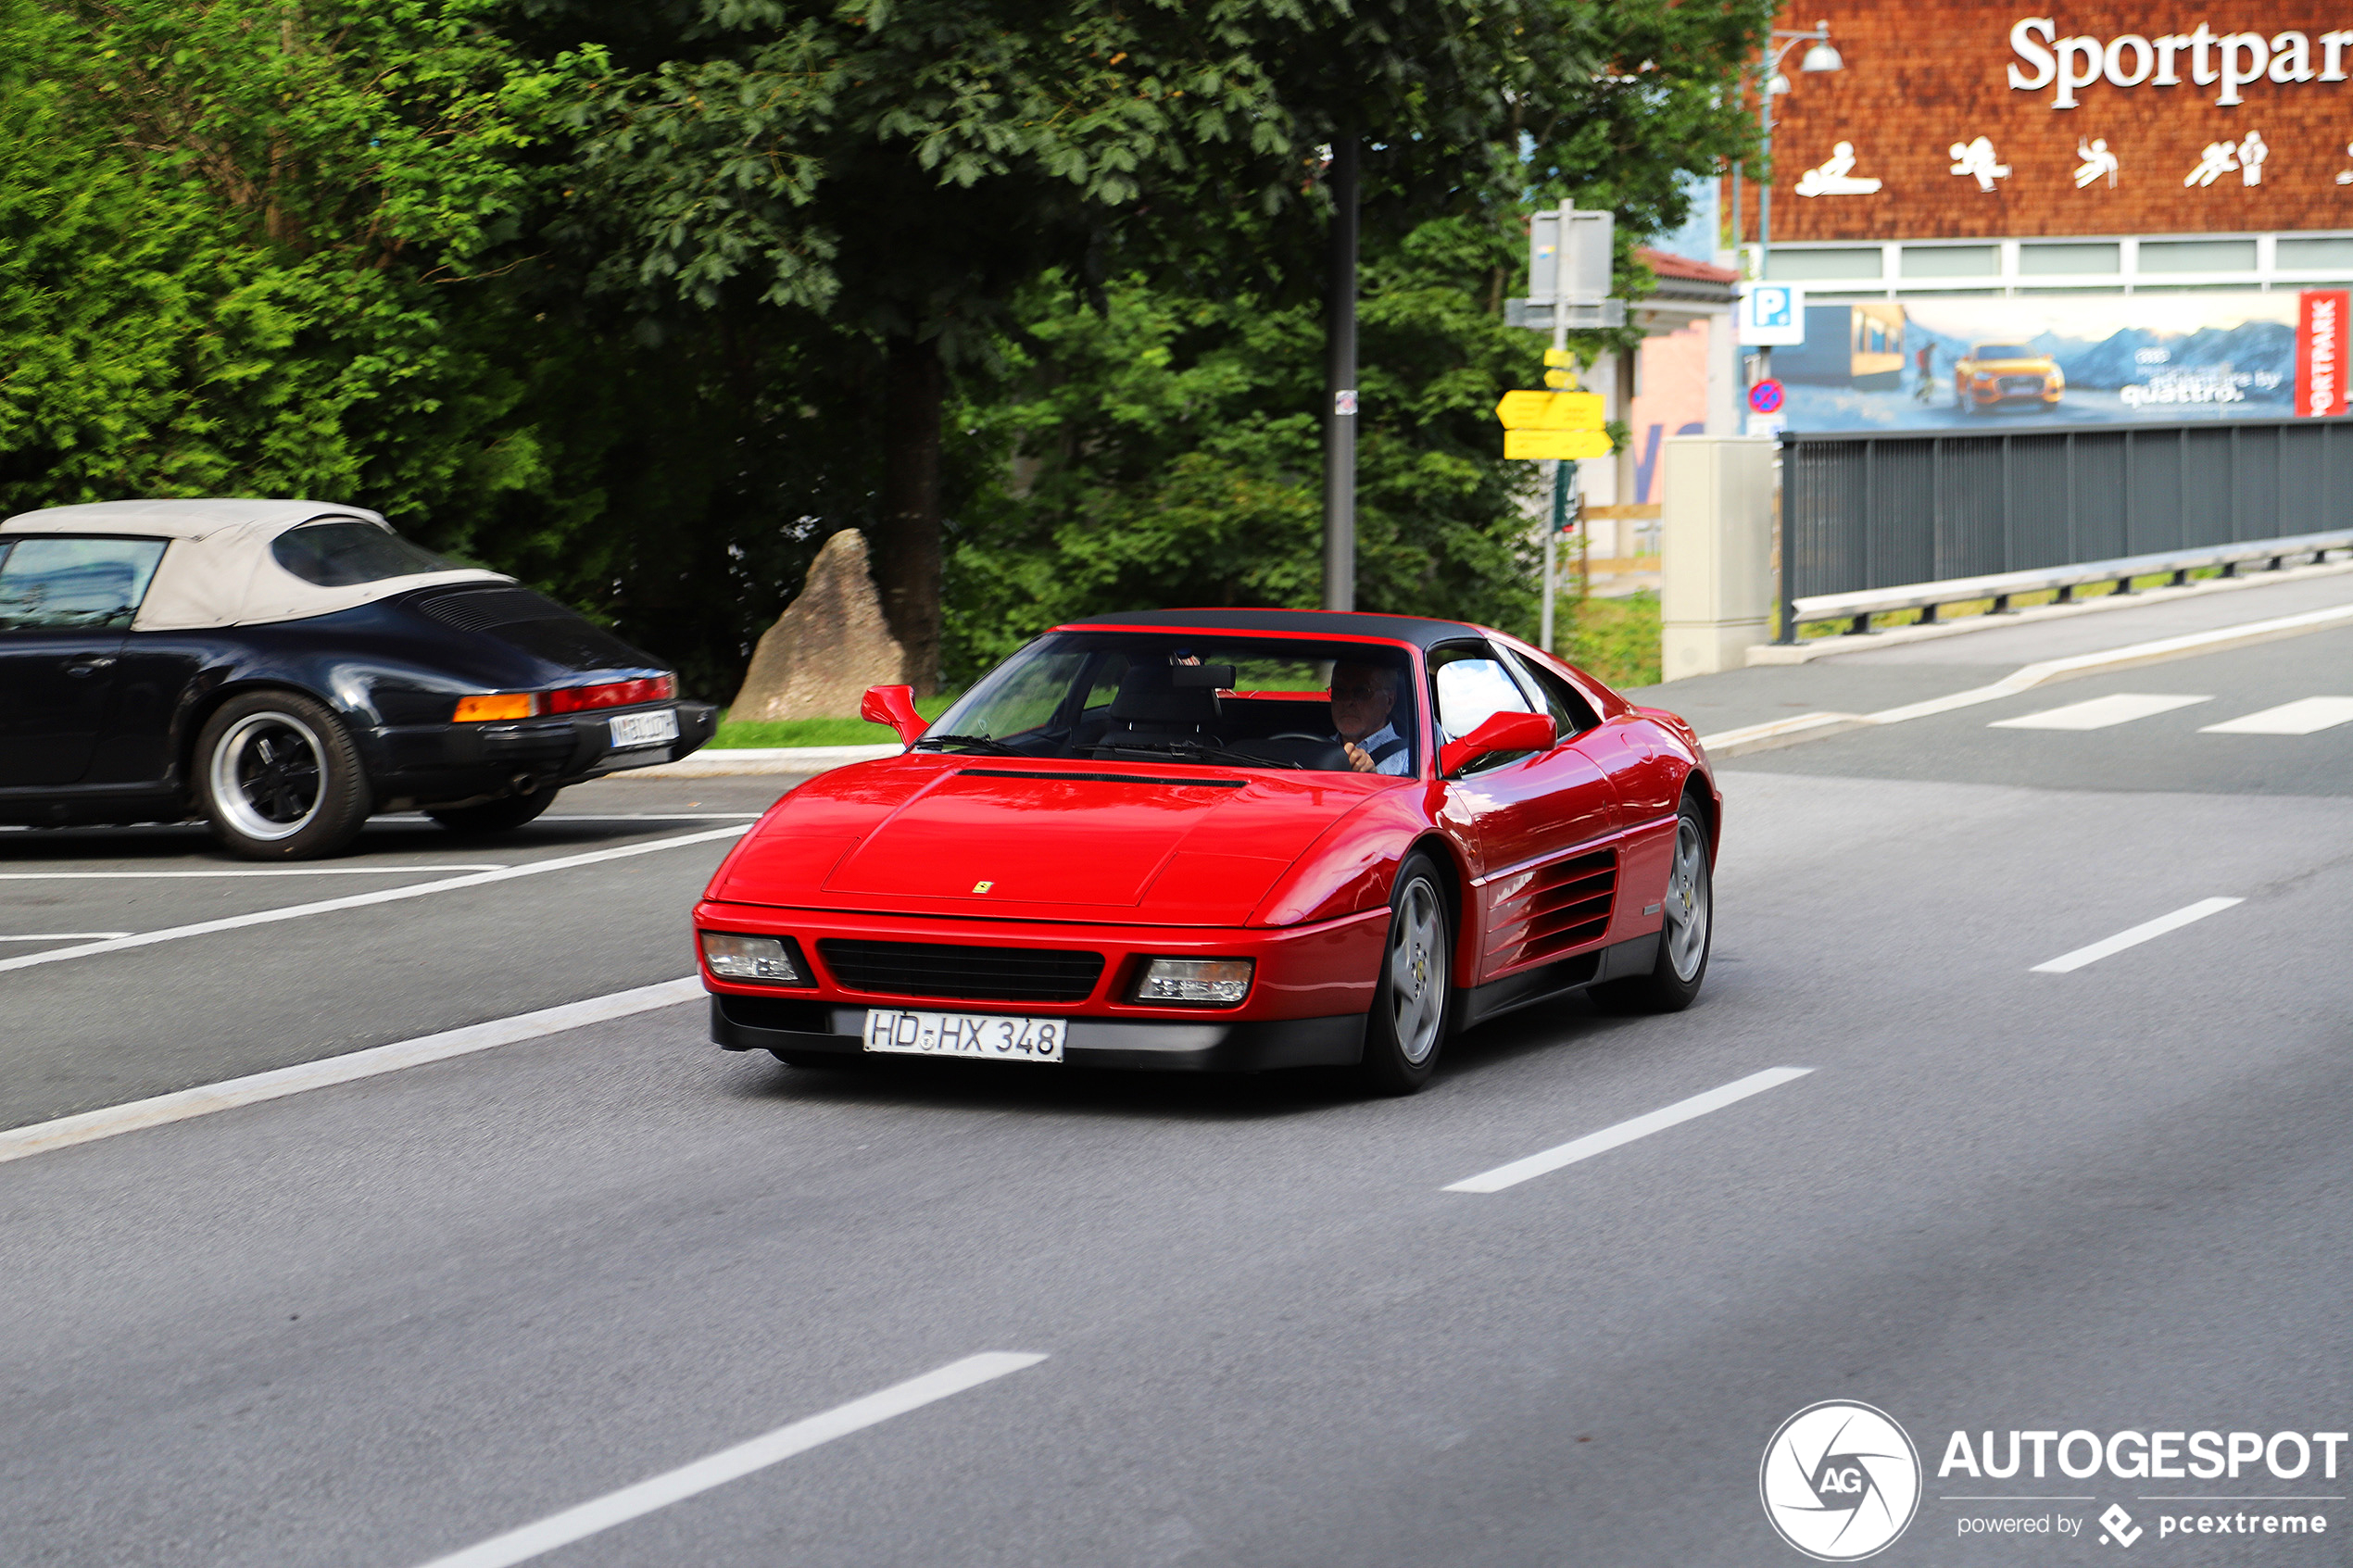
<point>1819,55</point>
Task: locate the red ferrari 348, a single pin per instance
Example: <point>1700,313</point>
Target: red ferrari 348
<point>1234,839</point>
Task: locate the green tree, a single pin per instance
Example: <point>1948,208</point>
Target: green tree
<point>245,251</point>
<point>905,170</point>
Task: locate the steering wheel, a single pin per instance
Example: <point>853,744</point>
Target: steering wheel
<point>1302,734</point>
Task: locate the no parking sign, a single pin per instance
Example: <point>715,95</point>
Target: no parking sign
<point>1766,397</point>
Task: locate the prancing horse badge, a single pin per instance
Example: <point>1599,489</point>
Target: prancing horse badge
<point>983,887</point>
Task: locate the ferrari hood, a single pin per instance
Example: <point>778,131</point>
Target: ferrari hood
<point>925,834</point>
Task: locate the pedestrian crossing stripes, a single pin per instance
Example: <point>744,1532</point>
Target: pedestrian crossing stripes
<point>2098,713</point>
<point>2303,717</point>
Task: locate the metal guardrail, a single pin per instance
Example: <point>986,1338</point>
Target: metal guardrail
<point>2000,586</point>
<point>1936,518</point>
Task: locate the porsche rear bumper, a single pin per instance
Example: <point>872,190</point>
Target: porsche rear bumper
<point>452,761</point>
<point>771,1023</point>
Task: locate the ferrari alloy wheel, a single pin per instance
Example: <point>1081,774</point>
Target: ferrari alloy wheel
<point>1683,937</point>
<point>279,778</point>
<point>1414,995</point>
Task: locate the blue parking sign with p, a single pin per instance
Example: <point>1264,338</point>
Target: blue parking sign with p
<point>1772,313</point>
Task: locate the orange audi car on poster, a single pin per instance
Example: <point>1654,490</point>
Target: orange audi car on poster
<point>1995,373</point>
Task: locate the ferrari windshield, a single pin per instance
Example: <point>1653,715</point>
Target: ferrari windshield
<point>1177,698</point>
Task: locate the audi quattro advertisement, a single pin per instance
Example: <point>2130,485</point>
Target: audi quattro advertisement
<point>2015,363</point>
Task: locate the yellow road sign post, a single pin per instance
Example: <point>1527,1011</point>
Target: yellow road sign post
<point>1551,411</point>
<point>1565,444</point>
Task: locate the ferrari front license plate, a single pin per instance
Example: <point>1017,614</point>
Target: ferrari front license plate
<point>990,1035</point>
<point>643,729</point>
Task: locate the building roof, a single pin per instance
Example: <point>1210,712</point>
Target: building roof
<point>1686,283</point>
<point>1667,265</point>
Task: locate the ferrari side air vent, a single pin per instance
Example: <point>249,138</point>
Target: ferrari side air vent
<point>936,969</point>
<point>1559,906</point>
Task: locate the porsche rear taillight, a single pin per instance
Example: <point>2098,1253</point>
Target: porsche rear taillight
<point>612,693</point>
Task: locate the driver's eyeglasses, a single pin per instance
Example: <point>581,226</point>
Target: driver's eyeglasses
<point>1353,691</point>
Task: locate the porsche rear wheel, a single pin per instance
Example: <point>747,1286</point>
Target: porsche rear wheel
<point>1684,938</point>
<point>279,778</point>
<point>1414,995</point>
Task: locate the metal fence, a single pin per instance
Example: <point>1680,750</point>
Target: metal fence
<point>1861,512</point>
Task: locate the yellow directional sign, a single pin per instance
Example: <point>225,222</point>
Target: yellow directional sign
<point>1569,444</point>
<point>1551,411</point>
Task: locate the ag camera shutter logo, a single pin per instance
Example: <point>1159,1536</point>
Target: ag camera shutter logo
<point>1839,1481</point>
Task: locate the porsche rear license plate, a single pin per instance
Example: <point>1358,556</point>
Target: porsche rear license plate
<point>643,729</point>
<point>988,1036</point>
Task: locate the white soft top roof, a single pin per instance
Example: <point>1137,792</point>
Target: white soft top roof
<point>217,569</point>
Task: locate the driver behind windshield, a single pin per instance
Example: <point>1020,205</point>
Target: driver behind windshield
<point>1363,696</point>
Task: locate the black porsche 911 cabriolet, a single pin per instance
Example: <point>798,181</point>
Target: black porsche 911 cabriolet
<point>286,669</point>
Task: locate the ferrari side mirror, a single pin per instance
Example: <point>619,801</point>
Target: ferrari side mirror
<point>894,706</point>
<point>1500,732</point>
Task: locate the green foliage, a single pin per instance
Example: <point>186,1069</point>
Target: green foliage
<point>1162,453</point>
<point>1616,640</point>
<point>609,293</point>
<point>243,251</point>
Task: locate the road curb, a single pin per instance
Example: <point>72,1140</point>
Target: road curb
<point>745,762</point>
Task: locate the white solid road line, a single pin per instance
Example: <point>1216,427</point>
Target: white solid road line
<point>203,1100</point>
<point>64,937</point>
<point>2302,717</point>
<point>248,870</point>
<point>2099,713</point>
<point>1551,1160</point>
<point>2134,937</point>
<point>360,900</point>
<point>729,1464</point>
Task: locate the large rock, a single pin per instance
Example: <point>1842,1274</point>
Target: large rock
<point>828,647</point>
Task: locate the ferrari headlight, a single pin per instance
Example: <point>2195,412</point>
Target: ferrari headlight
<point>768,960</point>
<point>1203,983</point>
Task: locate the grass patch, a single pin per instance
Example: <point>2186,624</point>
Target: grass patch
<point>736,734</point>
<point>1614,639</point>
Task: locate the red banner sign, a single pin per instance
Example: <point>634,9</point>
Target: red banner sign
<point>2321,340</point>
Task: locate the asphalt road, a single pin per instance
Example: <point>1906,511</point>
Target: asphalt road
<point>389,1321</point>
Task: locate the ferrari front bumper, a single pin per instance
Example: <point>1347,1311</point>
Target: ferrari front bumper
<point>772,1024</point>
<point>1310,990</point>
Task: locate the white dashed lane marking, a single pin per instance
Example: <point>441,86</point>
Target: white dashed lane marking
<point>2303,717</point>
<point>1569,1153</point>
<point>2099,713</point>
<point>730,1464</point>
<point>2134,937</point>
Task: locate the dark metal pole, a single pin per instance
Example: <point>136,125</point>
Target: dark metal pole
<point>1339,386</point>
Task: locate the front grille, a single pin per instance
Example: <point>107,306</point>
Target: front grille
<point>933,969</point>
<point>2021,383</point>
